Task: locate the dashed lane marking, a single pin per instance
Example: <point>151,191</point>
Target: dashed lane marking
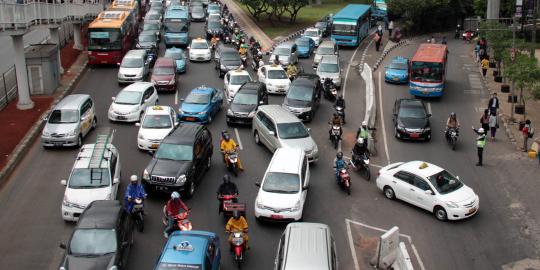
<point>382,121</point>
<point>238,138</point>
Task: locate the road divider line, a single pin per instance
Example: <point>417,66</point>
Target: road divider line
<point>351,245</point>
<point>347,73</point>
<point>429,107</point>
<point>176,97</point>
<point>238,138</point>
<point>418,257</point>
<point>382,121</point>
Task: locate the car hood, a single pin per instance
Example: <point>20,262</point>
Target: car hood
<point>198,51</point>
<point>123,108</point>
<point>277,200</point>
<point>296,103</point>
<point>303,48</point>
<point>328,75</point>
<point>162,77</point>
<point>396,72</point>
<point>232,63</point>
<point>143,44</point>
<point>168,168</point>
<point>197,15</point>
<point>413,122</point>
<point>306,144</point>
<point>462,195</point>
<point>154,133</point>
<point>194,108</point>
<point>242,108</point>
<point>90,263</point>
<point>60,128</point>
<point>130,71</point>
<point>280,82</point>
<point>84,196</point>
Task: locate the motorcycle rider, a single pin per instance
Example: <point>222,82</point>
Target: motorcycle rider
<point>363,132</point>
<point>340,102</point>
<point>226,188</point>
<point>214,41</point>
<point>359,148</point>
<point>227,145</point>
<point>291,71</point>
<point>339,164</point>
<point>335,121</point>
<point>133,191</point>
<point>452,122</point>
<point>173,207</point>
<point>237,223</point>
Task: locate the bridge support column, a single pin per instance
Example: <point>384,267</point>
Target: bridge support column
<point>56,39</point>
<point>23,90</point>
<point>77,36</point>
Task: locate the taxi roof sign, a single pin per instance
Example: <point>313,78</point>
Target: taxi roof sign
<point>157,108</point>
<point>184,246</point>
<point>423,166</point>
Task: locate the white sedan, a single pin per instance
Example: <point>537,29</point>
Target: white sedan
<point>155,125</point>
<point>233,80</point>
<point>429,187</point>
<point>199,50</point>
<point>315,34</point>
<point>275,78</point>
<point>131,102</point>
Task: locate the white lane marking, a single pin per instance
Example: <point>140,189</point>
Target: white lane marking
<point>429,107</point>
<point>382,121</point>
<point>176,97</point>
<point>238,138</point>
<point>418,257</point>
<point>347,73</point>
<point>339,146</point>
<point>351,245</point>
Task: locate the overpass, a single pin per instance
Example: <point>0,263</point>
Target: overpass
<point>21,16</point>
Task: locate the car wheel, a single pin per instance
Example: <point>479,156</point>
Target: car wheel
<point>79,140</point>
<point>389,193</point>
<point>257,138</point>
<point>428,138</point>
<point>94,123</point>
<point>440,213</point>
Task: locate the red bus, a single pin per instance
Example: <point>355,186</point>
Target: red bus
<point>128,5</point>
<point>427,70</point>
<point>111,35</point>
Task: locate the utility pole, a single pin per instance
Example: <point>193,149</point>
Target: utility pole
<point>513,56</point>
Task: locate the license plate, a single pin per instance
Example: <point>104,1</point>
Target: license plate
<point>414,135</point>
<point>425,92</point>
<point>162,188</point>
<point>395,79</point>
<point>276,217</point>
<point>58,144</point>
<point>200,58</point>
<point>104,62</point>
<point>472,210</point>
<point>154,146</point>
<point>121,117</point>
<point>190,118</point>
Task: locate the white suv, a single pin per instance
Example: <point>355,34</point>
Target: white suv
<point>95,176</point>
<point>156,124</point>
<point>134,67</point>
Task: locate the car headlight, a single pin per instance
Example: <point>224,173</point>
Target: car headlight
<point>269,84</point>
<point>146,175</point>
<point>427,129</point>
<point>135,109</point>
<point>65,201</point>
<point>171,81</point>
<point>46,134</point>
<point>315,150</point>
<point>201,113</point>
<point>180,111</point>
<point>451,204</point>
<point>62,268</point>
<point>140,136</point>
<point>72,133</point>
<point>229,112</point>
<point>222,66</point>
<point>138,46</point>
<point>252,114</point>
<point>296,207</point>
<point>260,205</point>
<point>153,81</point>
<point>181,179</point>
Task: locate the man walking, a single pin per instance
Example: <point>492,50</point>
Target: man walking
<point>390,28</point>
<point>485,64</point>
<point>480,144</point>
<point>493,103</point>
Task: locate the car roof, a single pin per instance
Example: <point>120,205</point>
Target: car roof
<point>198,240</point>
<point>307,243</point>
<point>286,160</point>
<point>202,90</point>
<point>333,59</point>
<point>135,53</point>
<point>410,102</point>
<point>184,134</point>
<point>158,110</point>
<point>85,155</point>
<point>164,61</point>
<point>276,111</point>
<point>71,102</point>
<point>103,214</point>
<point>420,168</point>
<point>137,86</point>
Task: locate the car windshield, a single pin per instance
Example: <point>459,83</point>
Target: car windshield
<point>177,152</point>
<point>346,29</point>
<point>128,97</point>
<point>176,27</point>
<point>302,93</point>
<point>194,98</point>
<point>328,68</point>
<point>214,24</point>
<point>277,182</point>
<point>277,74</point>
<point>427,71</point>
<point>282,51</point>
<point>147,38</point>
<point>199,45</point>
<point>230,56</point>
<point>239,79</point>
<point>64,117</point>
<point>176,55</point>
<point>132,63</point>
<point>293,130</point>
<point>163,71</point>
<point>411,112</point>
<point>445,182</point>
<point>302,42</point>
<point>92,242</point>
<point>101,39</point>
<point>245,99</point>
<point>325,50</point>
<point>198,10</point>
<point>400,66</point>
<point>157,121</point>
<point>89,178</point>
<point>150,26</point>
<point>311,33</point>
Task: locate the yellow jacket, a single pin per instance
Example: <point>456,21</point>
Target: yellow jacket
<point>236,225</point>
<point>227,145</point>
<point>484,63</point>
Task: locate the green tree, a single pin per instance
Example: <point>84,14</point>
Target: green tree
<point>524,72</point>
<point>499,39</point>
<point>293,7</point>
<point>256,7</point>
<point>506,8</point>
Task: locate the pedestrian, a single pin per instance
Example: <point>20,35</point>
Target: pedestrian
<point>493,103</point>
<point>477,52</point>
<point>390,28</point>
<point>443,41</point>
<point>377,38</point>
<point>485,64</point>
<point>480,144</point>
<point>380,31</point>
<point>493,124</point>
<point>432,40</point>
<point>527,133</point>
<point>484,120</point>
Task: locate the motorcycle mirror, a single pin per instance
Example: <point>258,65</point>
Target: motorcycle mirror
<point>62,245</point>
<point>258,184</point>
<point>138,124</point>
<point>63,182</point>
<point>429,192</point>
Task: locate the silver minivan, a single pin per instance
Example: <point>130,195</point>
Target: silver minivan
<point>69,121</point>
<point>276,127</point>
<point>306,245</point>
<point>327,47</point>
<point>134,67</point>
<point>286,53</point>
<point>329,68</point>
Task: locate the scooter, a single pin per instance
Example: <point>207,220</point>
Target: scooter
<point>345,180</point>
<point>181,221</point>
<point>335,135</point>
<point>451,137</point>
<point>341,112</point>
<point>229,205</point>
<point>231,161</point>
<point>138,214</point>
<point>238,247</point>
<point>361,162</point>
<point>329,89</point>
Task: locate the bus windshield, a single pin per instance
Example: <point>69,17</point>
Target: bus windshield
<point>344,29</point>
<point>427,71</point>
<point>103,39</point>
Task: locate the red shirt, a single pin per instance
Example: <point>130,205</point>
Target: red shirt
<point>173,208</point>
<point>525,130</point>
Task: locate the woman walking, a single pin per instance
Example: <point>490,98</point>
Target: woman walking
<point>493,125</point>
<point>484,120</point>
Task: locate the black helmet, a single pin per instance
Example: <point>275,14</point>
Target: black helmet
<point>223,132</point>
<point>339,155</point>
<point>226,178</point>
<point>236,214</point>
<point>340,96</point>
<point>226,136</point>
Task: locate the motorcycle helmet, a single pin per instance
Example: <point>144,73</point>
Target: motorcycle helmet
<point>236,214</point>
<point>481,130</point>
<point>339,155</point>
<point>360,141</point>
<point>452,114</point>
<point>226,179</point>
<point>175,195</point>
<point>340,97</point>
<point>226,136</point>
<point>364,123</point>
<point>133,179</point>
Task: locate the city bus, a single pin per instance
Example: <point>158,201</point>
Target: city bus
<point>427,70</point>
<point>176,27</point>
<point>379,10</point>
<point>351,24</point>
<point>110,36</point>
<point>131,6</point>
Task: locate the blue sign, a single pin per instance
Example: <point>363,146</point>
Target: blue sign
<point>184,246</point>
<point>99,34</point>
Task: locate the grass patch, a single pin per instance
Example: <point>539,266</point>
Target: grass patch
<point>306,17</point>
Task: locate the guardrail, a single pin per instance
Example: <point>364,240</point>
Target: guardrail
<point>24,16</point>
<point>8,87</point>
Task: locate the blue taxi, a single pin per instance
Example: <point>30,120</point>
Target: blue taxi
<point>193,250</point>
<point>201,105</point>
<point>305,46</point>
<point>397,71</point>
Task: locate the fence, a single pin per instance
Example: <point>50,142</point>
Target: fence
<point>8,87</point>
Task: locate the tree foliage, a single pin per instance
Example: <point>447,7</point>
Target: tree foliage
<point>275,9</point>
<point>256,7</point>
<point>506,8</point>
<point>524,72</point>
<point>293,7</point>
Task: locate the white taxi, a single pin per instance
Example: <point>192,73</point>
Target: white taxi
<point>429,187</point>
<point>275,78</point>
<point>155,125</point>
<point>131,102</point>
<point>199,50</point>
<point>233,80</point>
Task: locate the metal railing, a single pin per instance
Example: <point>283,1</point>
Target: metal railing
<point>8,87</point>
<point>24,16</point>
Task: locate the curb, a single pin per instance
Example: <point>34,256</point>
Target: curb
<point>24,145</point>
<point>404,42</point>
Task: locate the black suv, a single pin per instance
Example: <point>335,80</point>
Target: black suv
<point>227,58</point>
<point>411,120</point>
<point>304,96</point>
<point>101,240</point>
<point>246,102</point>
<point>213,28</point>
<point>181,160</point>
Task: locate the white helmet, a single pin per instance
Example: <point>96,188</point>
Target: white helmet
<point>480,130</point>
<point>175,195</point>
<point>364,123</point>
<point>360,141</point>
<point>133,178</point>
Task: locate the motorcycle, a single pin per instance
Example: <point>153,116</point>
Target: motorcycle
<point>257,62</point>
<point>451,137</point>
<point>238,247</point>
<point>138,214</point>
<point>335,135</point>
<point>341,112</point>
<point>181,221</point>
<point>361,162</point>
<point>243,57</point>
<point>229,205</point>
<point>231,161</point>
<point>345,180</point>
<point>329,89</point>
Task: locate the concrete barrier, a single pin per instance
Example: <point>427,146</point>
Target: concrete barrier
<point>371,106</point>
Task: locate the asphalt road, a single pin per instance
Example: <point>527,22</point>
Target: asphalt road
<point>32,225</point>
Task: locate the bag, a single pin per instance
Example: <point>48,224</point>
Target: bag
<point>497,125</point>
<point>531,132</point>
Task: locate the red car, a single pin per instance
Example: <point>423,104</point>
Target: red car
<point>164,74</point>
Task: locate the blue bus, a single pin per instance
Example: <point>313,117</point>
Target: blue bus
<point>176,27</point>
<point>379,10</point>
<point>351,24</point>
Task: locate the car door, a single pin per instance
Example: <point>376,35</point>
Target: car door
<point>210,256</point>
<point>261,74</point>
<point>304,174</point>
<point>198,154</point>
<point>115,174</point>
<point>226,81</point>
<point>395,112</point>
<point>86,117</point>
<point>271,139</point>
<point>311,45</point>
<point>423,200</point>
<point>403,183</point>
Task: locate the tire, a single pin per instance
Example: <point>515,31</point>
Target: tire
<point>140,222</point>
<point>190,190</point>
<point>440,213</point>
<point>234,169</point>
<point>348,190</point>
<point>368,173</point>
<point>141,116</point>
<point>335,141</point>
<point>79,141</point>
<point>257,138</point>
<point>396,133</point>
<point>389,193</point>
<point>94,123</point>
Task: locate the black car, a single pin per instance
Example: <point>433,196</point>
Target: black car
<point>181,160</point>
<point>213,28</point>
<point>304,96</point>
<point>147,40</point>
<point>227,58</point>
<point>411,120</point>
<point>324,26</point>
<point>153,26</point>
<point>198,14</point>
<point>246,102</point>
<point>101,240</point>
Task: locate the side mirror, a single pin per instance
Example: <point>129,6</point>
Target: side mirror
<point>176,124</point>
<point>138,124</point>
<point>63,182</point>
<point>457,177</point>
<point>258,184</point>
<point>261,102</point>
<point>429,192</point>
<point>146,100</point>
<point>182,100</point>
<point>271,133</point>
<point>305,187</point>
<point>125,244</point>
<point>45,118</point>
<point>113,98</point>
<point>429,115</point>
<point>62,245</point>
<point>188,47</point>
<point>308,129</point>
<point>116,180</point>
